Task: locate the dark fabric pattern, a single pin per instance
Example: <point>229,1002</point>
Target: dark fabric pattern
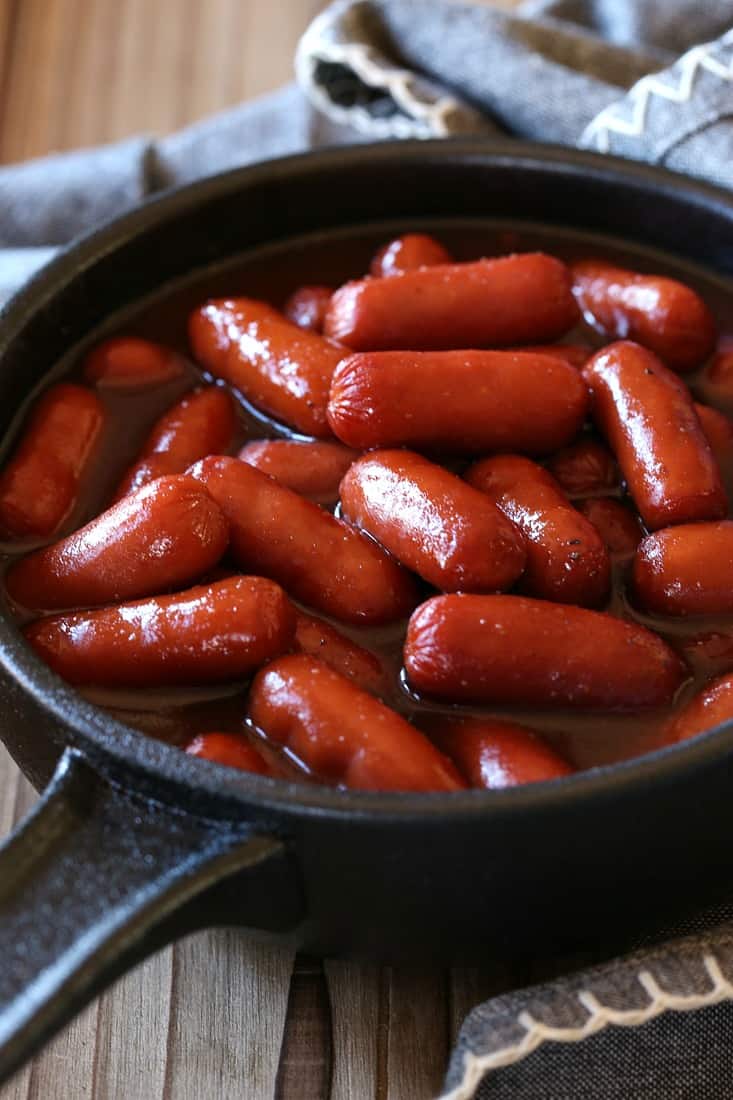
<point>654,1025</point>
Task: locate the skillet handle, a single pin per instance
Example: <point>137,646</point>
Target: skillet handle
<point>95,879</point>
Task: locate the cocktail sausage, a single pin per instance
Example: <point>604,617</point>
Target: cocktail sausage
<point>648,417</point>
<point>686,570</point>
<point>282,369</point>
<point>209,634</point>
<point>465,402</point>
<point>313,470</point>
<point>408,253</point>
<point>491,753</point>
<point>432,522</point>
<point>662,314</point>
<point>567,560</point>
<point>307,306</point>
<point>166,535</point>
<point>231,749</point>
<point>710,707</point>
<point>40,484</point>
<point>490,303</point>
<point>127,363</point>
<point>511,649</point>
<point>342,734</point>
<point>201,424</point>
<point>318,559</point>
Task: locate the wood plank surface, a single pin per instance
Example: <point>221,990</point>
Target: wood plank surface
<point>217,1016</point>
<point>88,71</point>
<point>222,1015</point>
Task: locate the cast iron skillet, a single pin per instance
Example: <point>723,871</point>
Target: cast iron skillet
<point>135,843</point>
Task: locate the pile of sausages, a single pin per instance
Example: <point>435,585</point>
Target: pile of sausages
<point>460,439</point>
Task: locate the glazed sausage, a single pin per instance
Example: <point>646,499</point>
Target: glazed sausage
<point>320,560</point>
<point>167,534</point>
<point>201,424</point>
<point>720,371</point>
<point>313,470</point>
<point>647,414</point>
<point>662,314</point>
<point>710,707</point>
<point>307,306</point>
<point>491,303</point>
<point>208,634</point>
<point>408,253</point>
<point>492,754</point>
<point>577,355</point>
<point>585,469</point>
<point>718,429</point>
<point>619,528</point>
<point>567,560</point>
<point>708,653</point>
<point>283,370</point>
<point>432,522</point>
<point>511,649</point>
<point>40,485</point>
<point>318,639</point>
<point>127,362</point>
<point>343,734</point>
<point>212,322</point>
<point>233,750</point>
<point>686,570</point>
<point>467,402</point>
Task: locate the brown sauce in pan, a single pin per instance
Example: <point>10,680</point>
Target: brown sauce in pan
<point>272,273</point>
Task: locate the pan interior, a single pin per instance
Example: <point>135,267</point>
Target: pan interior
<point>269,270</point>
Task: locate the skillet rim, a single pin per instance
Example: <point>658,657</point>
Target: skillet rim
<point>118,750</point>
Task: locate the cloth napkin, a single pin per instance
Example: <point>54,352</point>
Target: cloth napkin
<point>638,78</point>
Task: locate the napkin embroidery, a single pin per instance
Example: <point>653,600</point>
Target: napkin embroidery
<point>354,84</point>
<point>517,1014</point>
<point>629,117</point>
<point>600,1016</point>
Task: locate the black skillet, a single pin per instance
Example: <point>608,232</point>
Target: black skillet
<point>134,843</point>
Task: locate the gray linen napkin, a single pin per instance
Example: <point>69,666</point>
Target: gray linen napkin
<point>647,79</point>
<point>579,72</point>
<point>49,201</point>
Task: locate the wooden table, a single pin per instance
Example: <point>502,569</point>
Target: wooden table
<point>219,1015</point>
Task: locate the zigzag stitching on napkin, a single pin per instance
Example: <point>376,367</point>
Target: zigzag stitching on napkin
<point>696,60</point>
<point>427,118</point>
<point>600,1016</point>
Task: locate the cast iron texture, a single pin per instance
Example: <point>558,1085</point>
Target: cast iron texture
<point>537,869</point>
<point>97,878</point>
